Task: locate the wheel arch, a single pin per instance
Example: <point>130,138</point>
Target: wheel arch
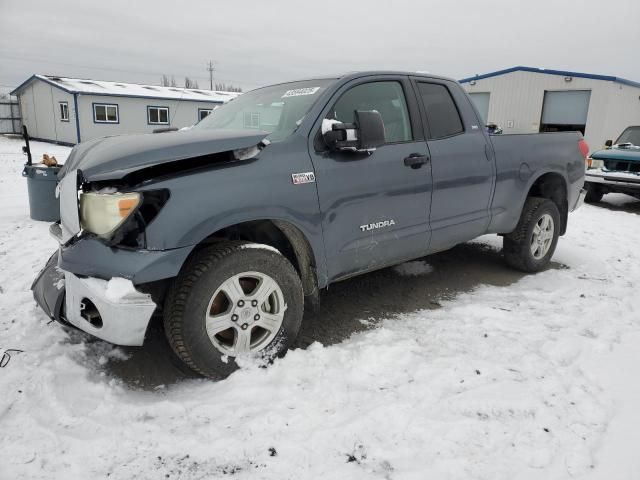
<point>553,186</point>
<point>283,235</point>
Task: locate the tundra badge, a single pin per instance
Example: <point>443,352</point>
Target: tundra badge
<point>372,226</point>
<point>299,178</point>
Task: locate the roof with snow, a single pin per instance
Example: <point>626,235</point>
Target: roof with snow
<point>563,73</point>
<point>122,89</point>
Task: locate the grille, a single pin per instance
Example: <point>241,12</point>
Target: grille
<point>622,166</point>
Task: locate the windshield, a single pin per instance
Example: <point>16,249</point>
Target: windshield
<point>278,109</point>
<point>630,135</point>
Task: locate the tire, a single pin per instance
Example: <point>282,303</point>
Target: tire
<point>594,193</point>
<point>518,245</point>
<point>218,288</point>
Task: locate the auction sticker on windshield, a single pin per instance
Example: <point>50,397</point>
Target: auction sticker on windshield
<point>298,92</point>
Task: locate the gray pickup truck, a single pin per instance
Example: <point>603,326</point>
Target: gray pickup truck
<point>229,230</point>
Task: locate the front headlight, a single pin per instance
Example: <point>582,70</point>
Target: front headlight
<point>103,213</point>
<point>591,163</point>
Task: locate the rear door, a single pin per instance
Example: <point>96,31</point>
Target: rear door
<point>375,209</point>
<point>462,164</point>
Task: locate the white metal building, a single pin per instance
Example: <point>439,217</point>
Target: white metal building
<point>526,100</point>
<point>70,110</point>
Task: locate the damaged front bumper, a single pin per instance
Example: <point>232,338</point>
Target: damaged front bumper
<point>85,303</point>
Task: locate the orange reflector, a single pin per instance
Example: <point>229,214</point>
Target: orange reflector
<point>126,205</point>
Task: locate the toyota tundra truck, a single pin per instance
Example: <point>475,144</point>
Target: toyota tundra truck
<point>228,230</point>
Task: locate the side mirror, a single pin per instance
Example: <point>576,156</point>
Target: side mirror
<point>608,143</point>
<point>364,135</point>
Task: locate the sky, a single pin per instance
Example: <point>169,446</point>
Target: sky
<point>255,43</point>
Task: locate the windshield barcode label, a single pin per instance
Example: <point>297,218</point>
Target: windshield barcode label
<point>300,91</point>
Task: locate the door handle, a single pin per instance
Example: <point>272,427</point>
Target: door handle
<point>416,160</point>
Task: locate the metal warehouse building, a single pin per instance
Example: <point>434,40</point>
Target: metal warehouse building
<point>528,100</point>
<point>71,110</point>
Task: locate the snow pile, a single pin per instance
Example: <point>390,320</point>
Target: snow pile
<point>102,87</point>
<point>115,290</point>
<point>119,288</point>
<point>499,383</point>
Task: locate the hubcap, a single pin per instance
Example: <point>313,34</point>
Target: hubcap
<point>245,313</point>
<point>542,236</point>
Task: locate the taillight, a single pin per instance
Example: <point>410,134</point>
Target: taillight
<point>584,148</point>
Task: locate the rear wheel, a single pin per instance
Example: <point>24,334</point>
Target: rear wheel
<point>232,300</point>
<point>594,193</point>
<point>531,245</point>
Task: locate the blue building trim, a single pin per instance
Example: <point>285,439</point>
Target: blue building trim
<point>168,122</point>
<point>75,106</point>
<point>166,99</point>
<point>562,73</point>
<point>105,122</point>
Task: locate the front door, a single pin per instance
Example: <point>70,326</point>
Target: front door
<point>375,209</point>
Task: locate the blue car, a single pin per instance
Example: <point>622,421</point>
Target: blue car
<point>616,168</point>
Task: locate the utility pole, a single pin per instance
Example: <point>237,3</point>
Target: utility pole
<point>210,68</point>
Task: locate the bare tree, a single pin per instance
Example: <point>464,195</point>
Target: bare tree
<point>188,83</point>
<point>168,82</point>
<point>223,87</point>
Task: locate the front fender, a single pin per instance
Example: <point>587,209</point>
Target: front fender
<point>204,202</point>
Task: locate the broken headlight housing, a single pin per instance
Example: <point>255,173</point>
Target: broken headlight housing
<point>103,213</point>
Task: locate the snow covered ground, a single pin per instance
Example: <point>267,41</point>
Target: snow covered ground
<point>530,381</point>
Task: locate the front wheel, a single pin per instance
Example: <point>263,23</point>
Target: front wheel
<point>531,245</point>
<point>230,300</point>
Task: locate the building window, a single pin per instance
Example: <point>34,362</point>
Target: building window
<point>203,113</point>
<point>103,113</point>
<point>158,115</point>
<point>64,111</point>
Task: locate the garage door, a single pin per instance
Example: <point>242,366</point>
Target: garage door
<point>566,108</point>
<point>481,101</point>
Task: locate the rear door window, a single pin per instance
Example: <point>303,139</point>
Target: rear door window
<point>442,114</point>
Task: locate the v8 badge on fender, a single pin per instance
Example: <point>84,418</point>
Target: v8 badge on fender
<point>300,178</point>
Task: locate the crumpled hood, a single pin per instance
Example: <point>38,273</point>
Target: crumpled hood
<point>111,158</point>
<point>614,153</point>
